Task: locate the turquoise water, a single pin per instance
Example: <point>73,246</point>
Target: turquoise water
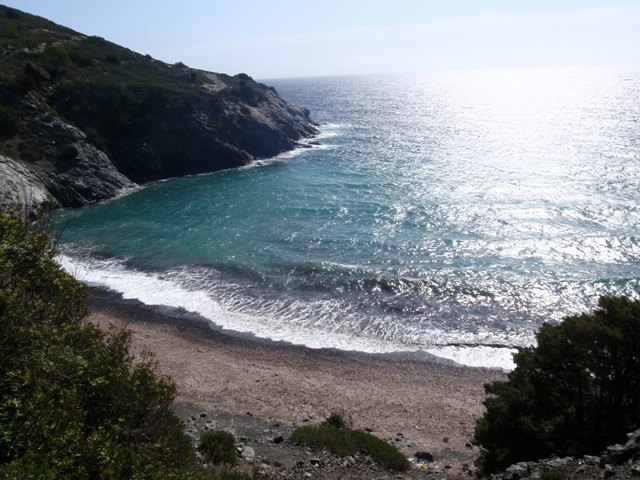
<point>450,213</point>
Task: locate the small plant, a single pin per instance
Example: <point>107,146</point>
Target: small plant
<point>554,475</point>
<point>9,123</point>
<point>334,435</point>
<point>68,152</point>
<point>56,59</point>
<point>336,421</point>
<point>218,447</point>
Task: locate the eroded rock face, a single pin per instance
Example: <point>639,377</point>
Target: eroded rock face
<point>21,187</point>
<point>85,175</point>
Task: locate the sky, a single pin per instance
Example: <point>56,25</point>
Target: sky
<point>286,38</point>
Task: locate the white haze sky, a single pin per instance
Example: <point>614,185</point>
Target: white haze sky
<point>286,38</point>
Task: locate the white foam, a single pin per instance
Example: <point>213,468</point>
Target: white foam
<point>477,356</point>
<point>165,289</point>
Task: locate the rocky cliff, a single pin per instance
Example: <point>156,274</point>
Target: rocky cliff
<point>83,119</point>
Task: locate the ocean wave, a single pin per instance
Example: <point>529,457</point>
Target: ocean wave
<point>273,320</point>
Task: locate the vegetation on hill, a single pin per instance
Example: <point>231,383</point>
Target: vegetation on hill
<point>334,435</point>
<point>73,402</point>
<point>574,393</point>
<point>152,119</point>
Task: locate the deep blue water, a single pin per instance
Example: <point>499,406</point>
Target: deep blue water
<point>451,213</point>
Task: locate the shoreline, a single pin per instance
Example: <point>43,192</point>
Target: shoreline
<point>417,402</point>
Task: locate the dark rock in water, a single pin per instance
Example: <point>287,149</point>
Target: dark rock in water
<point>424,457</point>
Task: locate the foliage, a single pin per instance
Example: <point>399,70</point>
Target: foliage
<point>10,30</point>
<point>218,447</point>
<point>56,59</point>
<point>554,475</point>
<point>9,122</point>
<point>334,435</point>
<point>575,393</point>
<point>73,402</point>
<point>68,152</point>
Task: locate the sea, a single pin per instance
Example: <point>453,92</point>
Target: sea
<point>448,213</point>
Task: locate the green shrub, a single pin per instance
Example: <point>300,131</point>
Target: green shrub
<point>10,30</point>
<point>574,393</point>
<point>95,138</point>
<point>9,122</point>
<point>36,72</point>
<point>218,447</point>
<point>333,435</point>
<point>56,59</point>
<point>25,83</point>
<point>68,152</point>
<point>554,475</point>
<point>80,59</point>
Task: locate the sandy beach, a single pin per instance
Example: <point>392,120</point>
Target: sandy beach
<point>419,404</point>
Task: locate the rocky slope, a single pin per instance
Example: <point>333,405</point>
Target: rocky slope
<point>83,119</point>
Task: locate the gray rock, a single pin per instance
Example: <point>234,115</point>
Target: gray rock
<point>618,454</point>
<point>518,471</point>
<point>633,438</point>
<point>248,454</point>
<point>558,462</point>
<point>608,472</point>
<point>20,187</point>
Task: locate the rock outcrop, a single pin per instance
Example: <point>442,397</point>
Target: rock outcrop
<point>617,461</point>
<point>20,187</point>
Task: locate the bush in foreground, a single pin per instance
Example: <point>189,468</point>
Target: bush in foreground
<point>334,435</point>
<point>73,402</point>
<point>575,393</point>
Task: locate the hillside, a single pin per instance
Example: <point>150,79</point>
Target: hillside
<point>81,118</point>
